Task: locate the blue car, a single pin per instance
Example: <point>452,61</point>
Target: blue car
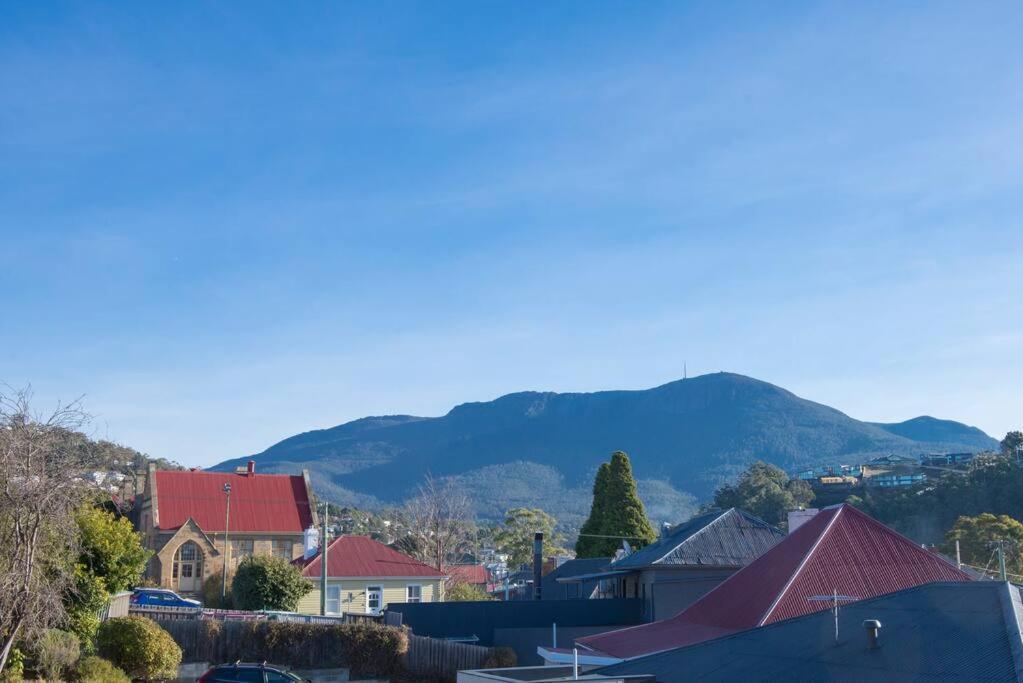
<point>161,597</point>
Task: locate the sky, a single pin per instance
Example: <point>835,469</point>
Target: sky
<point>226,223</point>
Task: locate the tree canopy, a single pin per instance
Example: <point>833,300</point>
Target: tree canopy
<point>516,536</point>
<point>1012,444</point>
<point>977,537</point>
<point>268,582</point>
<point>766,491</point>
<point>617,513</point>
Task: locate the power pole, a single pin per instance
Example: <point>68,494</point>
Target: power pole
<point>1001,560</point>
<point>323,566</point>
<point>959,557</point>
<point>227,547</point>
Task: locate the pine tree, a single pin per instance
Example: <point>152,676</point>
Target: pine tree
<point>617,512</point>
<point>586,545</point>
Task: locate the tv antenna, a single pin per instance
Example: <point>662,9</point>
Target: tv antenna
<point>834,599</point>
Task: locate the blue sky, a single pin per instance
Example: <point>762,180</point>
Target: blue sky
<point>226,223</point>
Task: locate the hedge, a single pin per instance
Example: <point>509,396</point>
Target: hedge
<point>368,650</point>
<point>139,647</point>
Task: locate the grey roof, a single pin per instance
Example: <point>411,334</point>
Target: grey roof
<point>947,631</point>
<point>729,538</point>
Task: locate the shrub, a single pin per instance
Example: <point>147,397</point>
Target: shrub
<point>212,594</point>
<point>501,658</point>
<point>140,647</point>
<point>14,671</point>
<point>268,582</point>
<point>56,652</point>
<point>98,670</point>
<point>465,592</point>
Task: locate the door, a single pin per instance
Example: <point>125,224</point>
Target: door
<point>188,568</point>
<point>374,599</point>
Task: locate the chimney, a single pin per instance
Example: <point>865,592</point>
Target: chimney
<point>873,627</point>
<point>798,518</point>
<point>665,529</point>
<point>251,469</point>
<point>311,540</point>
<point>537,563</point>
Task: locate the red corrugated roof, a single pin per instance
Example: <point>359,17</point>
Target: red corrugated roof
<point>840,549</point>
<point>475,574</point>
<point>362,556</point>
<point>259,502</point>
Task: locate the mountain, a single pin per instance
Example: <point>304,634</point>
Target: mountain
<point>932,430</point>
<point>542,448</point>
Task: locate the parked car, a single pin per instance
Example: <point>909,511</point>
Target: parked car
<point>249,673</point>
<point>162,597</point>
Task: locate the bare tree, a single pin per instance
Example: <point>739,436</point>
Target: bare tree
<point>438,521</point>
<point>42,459</point>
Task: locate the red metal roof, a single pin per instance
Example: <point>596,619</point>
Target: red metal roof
<point>840,549</point>
<point>259,502</point>
<point>362,556</point>
<point>475,574</point>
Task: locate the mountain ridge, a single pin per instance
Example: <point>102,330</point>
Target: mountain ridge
<point>688,435</point>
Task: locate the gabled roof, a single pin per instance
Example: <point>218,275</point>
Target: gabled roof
<point>728,538</point>
<point>259,502</point>
<point>355,556</point>
<point>937,631</point>
<point>840,549</point>
<point>475,574</point>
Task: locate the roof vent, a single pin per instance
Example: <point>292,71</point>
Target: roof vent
<point>873,627</point>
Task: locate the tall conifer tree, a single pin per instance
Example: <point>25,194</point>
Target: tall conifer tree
<point>617,512</point>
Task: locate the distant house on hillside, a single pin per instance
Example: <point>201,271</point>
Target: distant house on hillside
<point>688,561</point>
<point>472,574</point>
<point>364,576</point>
<point>183,517</point>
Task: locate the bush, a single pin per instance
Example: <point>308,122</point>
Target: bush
<point>212,594</point>
<point>98,670</point>
<point>501,658</point>
<point>368,650</point>
<point>56,652</point>
<point>465,592</point>
<point>268,582</point>
<point>14,672</point>
<point>140,647</point>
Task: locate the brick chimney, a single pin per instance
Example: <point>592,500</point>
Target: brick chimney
<point>251,468</point>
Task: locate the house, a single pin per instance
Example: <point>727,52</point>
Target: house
<point>840,549</point>
<point>472,574</point>
<point>185,519</point>
<point>936,631</point>
<point>574,579</point>
<point>364,576</point>
<point>687,561</point>
<point>893,460</point>
<point>946,459</point>
<point>892,479</point>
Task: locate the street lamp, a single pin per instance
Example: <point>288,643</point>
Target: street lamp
<point>227,526</point>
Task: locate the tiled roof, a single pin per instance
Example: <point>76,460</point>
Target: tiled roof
<point>729,538</point>
<point>259,502</point>
<point>362,556</point>
<point>840,549</point>
<point>475,574</point>
<point>937,631</point>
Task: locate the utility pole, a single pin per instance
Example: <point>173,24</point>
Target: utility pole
<point>959,557</point>
<point>323,567</point>
<point>227,547</point>
<point>1001,560</point>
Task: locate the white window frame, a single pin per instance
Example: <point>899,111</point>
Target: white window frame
<point>332,587</point>
<point>419,589</point>
<point>380,592</point>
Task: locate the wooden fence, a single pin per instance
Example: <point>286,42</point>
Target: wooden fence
<point>444,657</point>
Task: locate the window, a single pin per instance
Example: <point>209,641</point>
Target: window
<point>249,675</point>
<point>240,549</point>
<point>282,547</point>
<point>334,598</point>
<point>281,677</point>
<point>413,593</point>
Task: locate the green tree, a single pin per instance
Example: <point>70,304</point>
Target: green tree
<point>1012,444</point>
<point>465,592</point>
<point>977,537</point>
<point>516,536</point>
<point>588,545</point>
<point>111,559</point>
<point>765,491</point>
<point>139,647</point>
<point>268,582</point>
<point>617,512</point>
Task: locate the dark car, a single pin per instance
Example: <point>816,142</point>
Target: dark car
<point>249,673</point>
<point>161,597</point>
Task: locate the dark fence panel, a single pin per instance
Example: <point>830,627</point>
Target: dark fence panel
<point>428,656</point>
<point>468,620</point>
